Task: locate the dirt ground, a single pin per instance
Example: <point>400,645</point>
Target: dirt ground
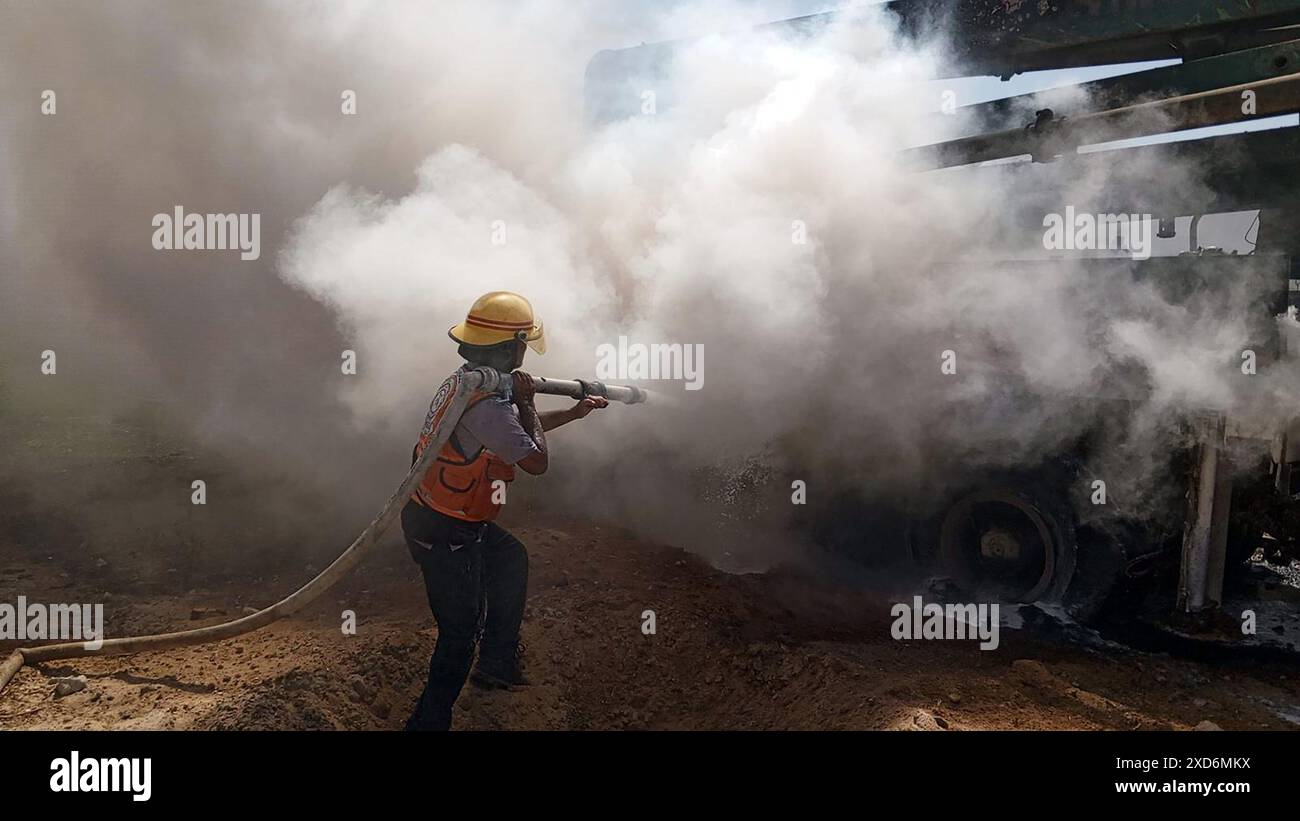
<point>782,650</point>
<point>772,651</point>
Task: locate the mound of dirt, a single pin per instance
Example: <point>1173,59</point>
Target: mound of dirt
<point>777,651</point>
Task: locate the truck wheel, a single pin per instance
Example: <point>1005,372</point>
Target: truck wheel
<point>1006,542</point>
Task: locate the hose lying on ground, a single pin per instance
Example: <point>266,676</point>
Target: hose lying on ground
<point>477,380</point>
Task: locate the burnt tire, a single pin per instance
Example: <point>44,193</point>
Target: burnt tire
<point>1035,519</point>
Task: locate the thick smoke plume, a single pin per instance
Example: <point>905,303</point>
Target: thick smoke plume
<point>763,213</point>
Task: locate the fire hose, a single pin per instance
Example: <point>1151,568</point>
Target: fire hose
<point>477,380</point>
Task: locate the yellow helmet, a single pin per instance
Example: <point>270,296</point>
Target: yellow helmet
<point>499,317</point>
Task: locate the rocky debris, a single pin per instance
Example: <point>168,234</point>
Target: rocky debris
<point>200,613</point>
<point>67,685</point>
<point>363,689</point>
<point>1207,725</point>
<point>920,720</point>
<point>1036,675</point>
<point>1032,672</point>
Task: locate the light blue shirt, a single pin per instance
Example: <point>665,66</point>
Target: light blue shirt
<point>493,423</point>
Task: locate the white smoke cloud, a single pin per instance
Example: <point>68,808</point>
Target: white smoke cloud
<point>677,227</point>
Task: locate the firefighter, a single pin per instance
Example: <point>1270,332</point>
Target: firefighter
<point>475,572</point>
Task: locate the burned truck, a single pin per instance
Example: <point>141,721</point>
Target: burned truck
<point>1229,490</point>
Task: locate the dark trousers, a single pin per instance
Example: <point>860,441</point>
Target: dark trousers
<point>476,578</point>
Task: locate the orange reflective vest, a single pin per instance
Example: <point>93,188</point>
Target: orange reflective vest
<point>455,485</point>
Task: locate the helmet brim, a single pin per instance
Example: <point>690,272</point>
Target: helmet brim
<point>483,337</point>
<point>536,338</point>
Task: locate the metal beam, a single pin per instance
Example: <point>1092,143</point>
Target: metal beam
<point>1190,77</point>
<point>1050,137</point>
<point>1200,580</point>
<point>1239,171</point>
<point>1000,37</point>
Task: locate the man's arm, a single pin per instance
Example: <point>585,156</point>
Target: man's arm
<point>534,463</point>
<point>553,419</point>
